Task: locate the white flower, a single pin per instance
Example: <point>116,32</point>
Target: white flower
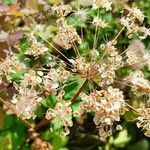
<point>99,22</point>
<point>102,3</point>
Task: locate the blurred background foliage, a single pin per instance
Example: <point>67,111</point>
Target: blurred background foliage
<point>83,135</point>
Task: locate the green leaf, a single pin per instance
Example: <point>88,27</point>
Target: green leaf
<point>8,122</point>
<point>50,101</point>
<point>24,46</point>
<point>15,130</point>
<point>141,145</point>
<point>40,111</point>
<point>18,133</point>
<point>17,76</point>
<point>71,89</point>
<point>124,71</point>
<point>8,1</point>
<point>57,124</point>
<point>76,106</point>
<point>5,142</point>
<point>54,138</point>
<point>1,118</point>
<point>130,116</point>
<point>122,139</point>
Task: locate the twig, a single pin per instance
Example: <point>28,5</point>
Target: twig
<point>42,123</point>
<point>131,108</point>
<point>118,34</point>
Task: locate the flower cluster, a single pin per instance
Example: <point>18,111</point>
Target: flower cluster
<point>36,48</point>
<point>27,99</point>
<point>45,74</point>
<point>61,10</point>
<point>26,102</point>
<point>136,54</point>
<point>32,83</point>
<point>52,79</point>
<point>144,120</point>
<point>9,65</point>
<point>108,67</point>
<point>140,85</point>
<point>108,105</point>
<point>107,4</point>
<point>83,67</point>
<point>99,22</point>
<point>133,22</point>
<point>61,112</point>
<point>67,34</point>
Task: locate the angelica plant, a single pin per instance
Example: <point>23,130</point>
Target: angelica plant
<point>76,51</point>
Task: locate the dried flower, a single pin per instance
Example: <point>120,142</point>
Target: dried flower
<point>144,120</point>
<point>109,47</point>
<point>145,31</point>
<point>108,105</point>
<point>67,34</point>
<point>107,69</point>
<point>61,10</point>
<point>31,78</point>
<point>99,22</point>
<point>136,14</point>
<point>50,82</point>
<point>132,27</point>
<point>84,68</point>
<point>102,3</point>
<point>10,65</point>
<point>37,49</point>
<point>140,85</point>
<point>136,54</point>
<point>26,102</point>
<point>130,21</point>
<point>39,144</point>
<point>61,111</point>
<point>82,13</point>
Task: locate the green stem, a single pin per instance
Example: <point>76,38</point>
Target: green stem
<point>79,90</point>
